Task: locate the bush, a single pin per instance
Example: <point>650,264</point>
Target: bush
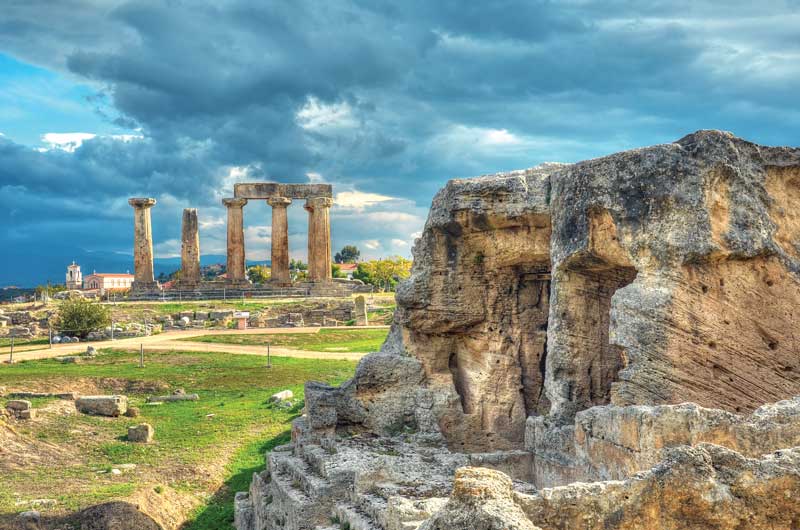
<point>79,317</point>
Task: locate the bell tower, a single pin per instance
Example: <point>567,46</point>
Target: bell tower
<point>74,277</point>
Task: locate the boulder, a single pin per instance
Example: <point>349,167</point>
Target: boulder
<point>18,405</point>
<point>142,433</point>
<point>111,406</point>
<point>221,315</point>
<point>69,359</point>
<point>21,409</point>
<point>283,395</point>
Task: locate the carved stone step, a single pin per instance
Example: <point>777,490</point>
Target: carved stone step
<point>303,476</point>
<point>350,516</point>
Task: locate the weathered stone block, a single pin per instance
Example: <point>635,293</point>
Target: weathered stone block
<point>19,405</point>
<point>283,395</point>
<point>142,433</point>
<point>111,406</point>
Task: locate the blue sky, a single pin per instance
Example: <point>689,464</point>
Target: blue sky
<point>103,100</point>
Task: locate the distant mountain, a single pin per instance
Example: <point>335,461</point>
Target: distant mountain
<point>33,268</point>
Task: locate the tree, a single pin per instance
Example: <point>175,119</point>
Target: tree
<point>348,254</point>
<point>79,317</point>
<point>259,273</point>
<point>297,265</point>
<point>49,290</point>
<point>336,271</point>
<point>363,272</point>
<point>383,273</point>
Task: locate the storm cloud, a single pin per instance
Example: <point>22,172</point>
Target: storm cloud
<point>381,99</point>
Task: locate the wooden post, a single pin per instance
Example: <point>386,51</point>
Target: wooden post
<point>141,355</point>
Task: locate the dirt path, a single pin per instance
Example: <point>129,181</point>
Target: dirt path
<point>169,341</point>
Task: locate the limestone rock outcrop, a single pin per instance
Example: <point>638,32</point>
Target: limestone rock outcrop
<point>612,339</point>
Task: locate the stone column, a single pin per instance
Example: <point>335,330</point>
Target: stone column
<point>280,239</point>
<point>319,238</point>
<point>142,243</point>
<point>190,248</point>
<point>236,263</point>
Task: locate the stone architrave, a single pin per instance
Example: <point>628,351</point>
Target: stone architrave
<point>280,239</point>
<point>190,248</point>
<point>361,311</point>
<point>319,238</point>
<point>236,263</point>
<point>142,243</point>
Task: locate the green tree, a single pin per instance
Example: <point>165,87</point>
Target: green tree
<point>348,254</point>
<point>79,317</point>
<point>364,272</point>
<point>297,265</point>
<point>384,274</point>
<point>259,273</point>
<point>49,290</point>
<point>336,271</point>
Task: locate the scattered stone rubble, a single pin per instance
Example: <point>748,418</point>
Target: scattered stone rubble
<point>603,345</point>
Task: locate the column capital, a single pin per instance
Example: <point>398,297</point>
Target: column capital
<point>141,202</point>
<point>279,202</point>
<point>234,203</point>
<point>318,202</point>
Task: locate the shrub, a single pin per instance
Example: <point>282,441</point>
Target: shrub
<point>79,317</point>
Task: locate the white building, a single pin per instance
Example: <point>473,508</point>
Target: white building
<point>106,282</point>
<point>74,278</point>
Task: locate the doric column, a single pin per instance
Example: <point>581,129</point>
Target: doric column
<point>319,238</point>
<point>236,264</point>
<point>190,248</point>
<point>142,243</point>
<point>280,239</point>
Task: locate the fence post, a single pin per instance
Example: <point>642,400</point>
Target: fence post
<point>141,355</point>
<point>50,334</point>
<point>11,355</point>
<point>112,329</point>
<point>269,360</point>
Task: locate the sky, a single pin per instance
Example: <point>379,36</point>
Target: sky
<point>178,100</point>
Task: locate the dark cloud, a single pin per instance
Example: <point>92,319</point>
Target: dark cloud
<point>388,98</point>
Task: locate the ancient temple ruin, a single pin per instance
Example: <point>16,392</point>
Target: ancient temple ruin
<point>318,201</point>
<point>604,345</point>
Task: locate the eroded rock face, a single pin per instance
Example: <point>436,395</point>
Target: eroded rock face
<point>655,276</point>
<point>603,322</point>
<point>694,487</point>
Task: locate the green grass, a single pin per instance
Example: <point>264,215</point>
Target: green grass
<point>6,341</point>
<point>331,340</point>
<point>228,429</point>
<point>169,308</point>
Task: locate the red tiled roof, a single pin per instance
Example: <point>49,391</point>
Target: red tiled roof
<point>110,275</point>
<point>347,266</point>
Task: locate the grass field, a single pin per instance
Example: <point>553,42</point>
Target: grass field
<point>165,308</point>
<point>6,341</point>
<point>332,340</point>
<point>203,452</point>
